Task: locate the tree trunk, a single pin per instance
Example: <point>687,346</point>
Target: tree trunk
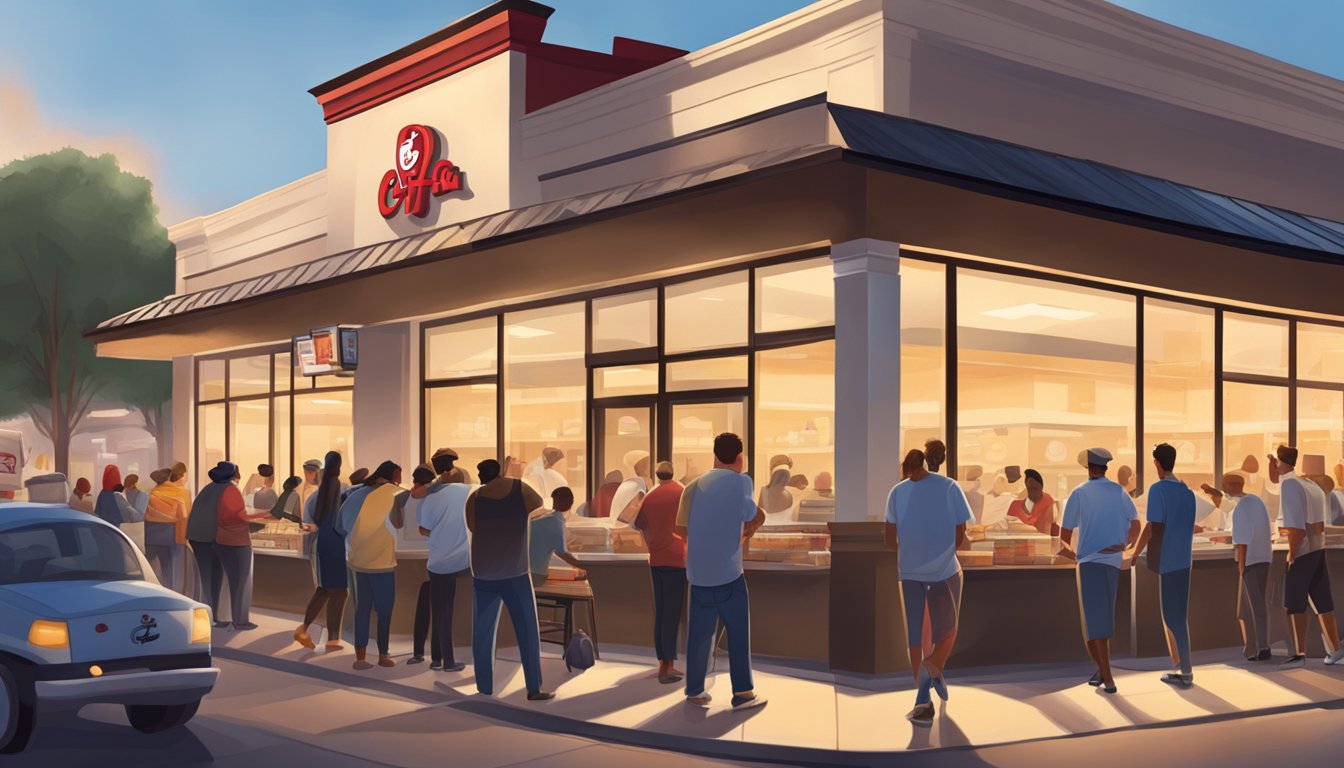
<point>60,449</point>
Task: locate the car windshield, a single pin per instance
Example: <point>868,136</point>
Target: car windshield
<point>61,551</point>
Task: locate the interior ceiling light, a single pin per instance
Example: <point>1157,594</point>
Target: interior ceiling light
<point>1022,311</point>
<point>528,332</point>
<point>711,298</point>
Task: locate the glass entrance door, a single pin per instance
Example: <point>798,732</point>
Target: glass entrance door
<point>625,447</point>
<point>692,427</point>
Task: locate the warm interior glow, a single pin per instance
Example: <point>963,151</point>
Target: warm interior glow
<point>1022,311</point>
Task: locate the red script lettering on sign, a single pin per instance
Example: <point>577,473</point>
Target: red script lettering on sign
<point>416,175</point>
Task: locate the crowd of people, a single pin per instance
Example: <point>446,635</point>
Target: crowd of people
<point>927,514</point>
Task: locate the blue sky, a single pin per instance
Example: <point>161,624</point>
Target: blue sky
<point>210,98</point>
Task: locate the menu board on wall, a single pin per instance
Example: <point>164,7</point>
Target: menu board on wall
<point>327,350</point>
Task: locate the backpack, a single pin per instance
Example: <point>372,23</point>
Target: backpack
<point>579,652</point>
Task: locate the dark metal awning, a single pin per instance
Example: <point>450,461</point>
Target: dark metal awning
<point>948,152</point>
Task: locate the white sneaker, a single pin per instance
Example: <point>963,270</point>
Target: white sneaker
<point>1294,662</point>
<point>1336,657</point>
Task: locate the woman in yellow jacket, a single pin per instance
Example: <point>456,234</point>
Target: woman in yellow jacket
<point>166,528</point>
<point>370,552</point>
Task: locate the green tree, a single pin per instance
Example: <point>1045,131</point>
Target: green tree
<point>80,242</point>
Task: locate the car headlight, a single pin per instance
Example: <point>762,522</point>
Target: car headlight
<point>200,625</point>
<point>49,634</point>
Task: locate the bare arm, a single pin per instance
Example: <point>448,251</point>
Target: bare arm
<point>961,536</point>
<point>1145,536</point>
<point>532,499</point>
<point>755,525</point>
<point>1240,551</point>
<point>424,531</point>
<point>471,512</point>
<point>894,541</point>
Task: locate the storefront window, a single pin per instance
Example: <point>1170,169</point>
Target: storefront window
<point>625,380</point>
<point>694,427</point>
<point>282,454</point>
<point>249,376</point>
<point>545,392</point>
<point>250,422</point>
<point>211,440</point>
<point>706,314</point>
<point>1255,345</point>
<point>323,421</point>
<point>462,349</point>
<point>284,371</point>
<point>1255,422</point>
<point>709,373</point>
<point>1045,371</point>
<point>923,353</point>
<point>1178,386</point>
<point>1320,422</point>
<point>462,417</point>
<point>210,379</point>
<point>795,426</point>
<point>796,295</point>
<point>1320,353</point>
<point>628,321</point>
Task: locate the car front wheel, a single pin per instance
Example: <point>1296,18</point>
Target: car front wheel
<point>152,718</point>
<point>16,714</point>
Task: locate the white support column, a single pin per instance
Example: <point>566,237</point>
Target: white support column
<point>382,409</point>
<point>867,376</point>
<point>181,439</point>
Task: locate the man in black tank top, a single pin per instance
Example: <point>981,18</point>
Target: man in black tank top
<point>497,516</point>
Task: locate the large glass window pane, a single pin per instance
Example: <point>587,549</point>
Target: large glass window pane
<point>1256,345</point>
<point>210,379</point>
<point>462,349</point>
<point>249,376</point>
<point>625,380</point>
<point>250,422</point>
<point>628,321</point>
<point>923,353</point>
<point>211,440</point>
<point>706,314</point>
<point>462,418</point>
<point>624,451</point>
<point>800,294</point>
<point>545,380</point>
<point>694,427</point>
<point>1255,422</point>
<point>324,421</point>
<point>284,371</point>
<point>710,373</point>
<point>1178,386</point>
<point>1320,353</point>
<point>1320,422</point>
<point>1045,371</point>
<point>283,442</point>
<point>795,425</point>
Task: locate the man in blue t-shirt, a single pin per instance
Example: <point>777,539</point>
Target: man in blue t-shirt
<point>926,522</point>
<point>1103,514</point>
<point>1171,529</point>
<point>715,514</point>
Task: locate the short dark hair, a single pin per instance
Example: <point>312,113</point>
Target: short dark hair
<point>265,470</point>
<point>1032,474</point>
<point>422,475</point>
<point>562,499</point>
<point>488,470</point>
<point>727,447</point>
<point>1165,454</point>
<point>1287,454</point>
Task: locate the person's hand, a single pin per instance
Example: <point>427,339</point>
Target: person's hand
<point>580,575</point>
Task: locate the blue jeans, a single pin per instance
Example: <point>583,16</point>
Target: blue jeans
<point>374,592</point>
<point>1174,588</point>
<point>730,604</point>
<point>516,595</point>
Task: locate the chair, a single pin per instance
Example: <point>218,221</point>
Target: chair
<point>559,598</point>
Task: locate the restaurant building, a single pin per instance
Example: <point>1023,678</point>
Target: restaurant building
<point>1020,226</point>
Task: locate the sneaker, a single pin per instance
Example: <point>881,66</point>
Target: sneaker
<point>1095,680</point>
<point>434,665</point>
<point>540,695</point>
<point>747,702</point>
<point>416,660</point>
<point>921,715</point>
<point>701,700</point>
<point>456,666</point>
<point>1178,679</point>
<point>1336,657</point>
<point>1294,662</point>
<point>222,625</point>
<point>387,661</point>
<point>246,625</point>
<point>1265,655</point>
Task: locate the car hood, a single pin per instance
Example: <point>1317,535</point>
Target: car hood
<point>75,599</point>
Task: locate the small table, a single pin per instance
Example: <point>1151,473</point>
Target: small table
<point>560,597</point>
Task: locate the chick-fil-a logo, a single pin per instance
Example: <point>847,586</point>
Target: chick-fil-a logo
<point>416,175</point>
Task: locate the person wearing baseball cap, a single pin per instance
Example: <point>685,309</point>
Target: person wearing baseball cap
<point>1171,528</point>
<point>312,468</point>
<point>1107,523</point>
<point>1253,550</point>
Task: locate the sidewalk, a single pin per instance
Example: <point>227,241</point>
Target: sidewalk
<point>812,716</point>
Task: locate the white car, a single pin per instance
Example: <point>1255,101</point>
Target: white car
<point>83,620</point>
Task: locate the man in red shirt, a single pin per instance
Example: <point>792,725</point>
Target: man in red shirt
<point>657,520</point>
